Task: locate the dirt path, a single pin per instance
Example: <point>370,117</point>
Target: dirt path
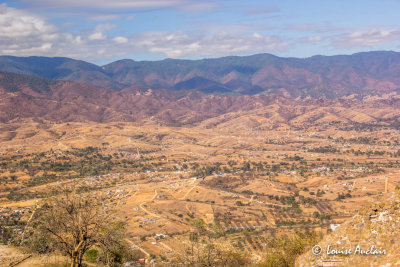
<point>141,249</point>
<point>27,224</point>
<point>145,210</point>
<point>168,247</point>
<point>130,191</point>
<point>187,193</point>
<point>187,208</point>
<point>251,200</point>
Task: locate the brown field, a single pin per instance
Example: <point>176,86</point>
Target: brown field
<point>254,182</point>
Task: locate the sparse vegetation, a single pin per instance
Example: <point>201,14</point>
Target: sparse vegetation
<point>240,195</point>
<point>78,226</point>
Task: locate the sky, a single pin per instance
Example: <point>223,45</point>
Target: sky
<point>102,31</point>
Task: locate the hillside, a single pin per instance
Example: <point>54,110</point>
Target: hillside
<point>25,96</point>
<point>376,225</point>
<point>367,73</point>
<point>267,173</point>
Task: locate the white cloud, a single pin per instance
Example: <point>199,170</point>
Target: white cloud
<point>179,44</point>
<point>24,34</point>
<point>97,36</point>
<point>44,48</point>
<point>120,40</point>
<point>366,38</point>
<point>314,39</point>
<point>257,35</point>
<point>18,24</point>
<point>104,27</point>
<point>325,28</point>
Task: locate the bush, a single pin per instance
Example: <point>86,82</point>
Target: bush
<point>91,255</point>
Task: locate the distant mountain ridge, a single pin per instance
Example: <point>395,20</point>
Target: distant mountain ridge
<point>367,73</point>
<point>26,96</point>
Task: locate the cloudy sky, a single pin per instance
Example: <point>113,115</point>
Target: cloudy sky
<point>101,31</point>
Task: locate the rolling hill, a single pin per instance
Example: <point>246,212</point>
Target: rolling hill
<point>25,96</point>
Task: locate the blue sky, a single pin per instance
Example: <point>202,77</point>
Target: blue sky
<point>102,31</point>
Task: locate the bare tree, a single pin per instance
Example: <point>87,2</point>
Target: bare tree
<point>73,224</point>
<point>206,251</point>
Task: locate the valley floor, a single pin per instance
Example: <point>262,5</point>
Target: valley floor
<point>255,184</point>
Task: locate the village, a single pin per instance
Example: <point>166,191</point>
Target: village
<point>253,185</point>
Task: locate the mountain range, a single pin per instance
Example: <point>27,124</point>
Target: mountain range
<point>368,73</point>
<point>260,91</point>
<point>25,96</point>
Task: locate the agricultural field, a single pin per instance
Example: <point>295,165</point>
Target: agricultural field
<point>254,185</point>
